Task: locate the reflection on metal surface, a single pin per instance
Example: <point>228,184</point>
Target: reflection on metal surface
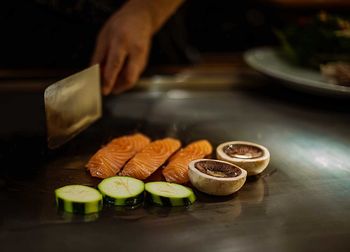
<point>254,191</point>
<point>76,218</point>
<point>178,94</point>
<point>161,211</point>
<point>128,213</point>
<point>217,212</point>
<point>188,81</point>
<point>71,105</point>
<point>322,152</point>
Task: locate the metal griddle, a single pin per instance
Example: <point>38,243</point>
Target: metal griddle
<point>300,203</point>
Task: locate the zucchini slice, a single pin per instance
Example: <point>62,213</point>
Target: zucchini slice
<point>122,191</point>
<point>78,199</point>
<point>169,194</point>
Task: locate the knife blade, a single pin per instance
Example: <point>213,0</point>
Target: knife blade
<point>72,105</point>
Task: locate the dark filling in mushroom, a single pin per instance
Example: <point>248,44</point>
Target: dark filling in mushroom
<point>243,151</point>
<point>217,169</point>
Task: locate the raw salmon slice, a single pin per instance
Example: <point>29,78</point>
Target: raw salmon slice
<point>177,169</point>
<point>108,161</point>
<point>150,158</point>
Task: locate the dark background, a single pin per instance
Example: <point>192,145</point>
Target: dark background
<point>43,33</point>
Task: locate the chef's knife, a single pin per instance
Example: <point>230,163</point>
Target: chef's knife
<point>71,105</point>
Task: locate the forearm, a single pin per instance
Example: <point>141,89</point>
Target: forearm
<point>157,11</point>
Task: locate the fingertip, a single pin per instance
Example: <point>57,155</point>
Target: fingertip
<point>131,77</point>
<point>107,85</point>
<point>106,89</point>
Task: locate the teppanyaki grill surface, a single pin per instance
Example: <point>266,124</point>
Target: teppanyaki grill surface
<point>300,202</point>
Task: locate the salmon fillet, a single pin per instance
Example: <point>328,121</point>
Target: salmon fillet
<point>108,161</point>
<point>150,158</point>
<point>177,169</point>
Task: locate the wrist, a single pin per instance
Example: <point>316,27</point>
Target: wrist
<point>156,12</point>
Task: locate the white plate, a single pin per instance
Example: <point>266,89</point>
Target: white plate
<point>269,62</point>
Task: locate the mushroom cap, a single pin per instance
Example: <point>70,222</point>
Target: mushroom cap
<point>254,164</point>
<point>216,185</point>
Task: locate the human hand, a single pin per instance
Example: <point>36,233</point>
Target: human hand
<point>122,49</point>
<point>123,44</point>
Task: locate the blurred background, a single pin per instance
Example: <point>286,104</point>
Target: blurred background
<point>54,33</point>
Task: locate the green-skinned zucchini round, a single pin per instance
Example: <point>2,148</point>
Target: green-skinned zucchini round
<point>122,191</point>
<point>169,194</point>
<point>78,199</point>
